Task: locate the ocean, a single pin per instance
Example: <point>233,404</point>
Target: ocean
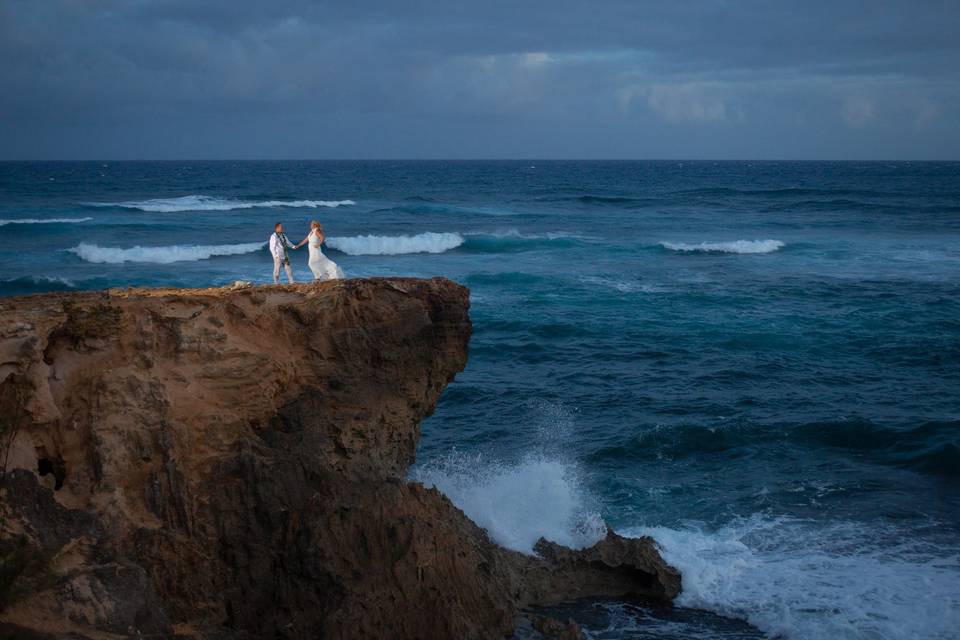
<point>757,363</point>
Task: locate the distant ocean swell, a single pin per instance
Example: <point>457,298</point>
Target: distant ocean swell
<point>44,221</point>
<point>735,246</point>
<point>930,447</point>
<point>376,245</point>
<point>35,284</point>
<point>367,245</point>
<point>212,203</point>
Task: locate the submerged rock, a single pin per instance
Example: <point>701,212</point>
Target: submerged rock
<point>229,463</point>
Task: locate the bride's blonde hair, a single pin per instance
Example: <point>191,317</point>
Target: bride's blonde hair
<point>315,224</point>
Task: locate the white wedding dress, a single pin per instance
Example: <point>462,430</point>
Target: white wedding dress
<point>323,267</point>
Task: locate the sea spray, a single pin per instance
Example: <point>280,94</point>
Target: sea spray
<point>540,495</point>
<point>517,503</point>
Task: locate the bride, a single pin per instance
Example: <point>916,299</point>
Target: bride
<point>323,267</point>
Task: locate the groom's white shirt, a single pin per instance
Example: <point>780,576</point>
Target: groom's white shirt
<point>276,246</point>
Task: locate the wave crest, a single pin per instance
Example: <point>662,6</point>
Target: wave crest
<point>160,255</point>
<point>735,246</point>
<point>211,203</point>
<point>371,245</point>
<point>43,221</point>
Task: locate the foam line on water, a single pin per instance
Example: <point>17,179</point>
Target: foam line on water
<point>212,203</point>
<point>818,581</point>
<point>368,245</point>
<point>735,246</point>
<point>44,221</point>
<point>160,255</point>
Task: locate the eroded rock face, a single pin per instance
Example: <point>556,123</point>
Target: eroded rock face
<point>228,463</point>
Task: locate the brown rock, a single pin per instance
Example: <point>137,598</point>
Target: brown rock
<point>553,628</point>
<point>228,463</point>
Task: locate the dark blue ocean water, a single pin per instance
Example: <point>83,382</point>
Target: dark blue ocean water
<point>757,363</point>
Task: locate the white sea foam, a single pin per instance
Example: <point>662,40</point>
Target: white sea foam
<point>735,246</point>
<point>44,221</point>
<point>801,579</point>
<point>211,203</point>
<point>161,255</point>
<point>518,503</point>
<point>370,245</point>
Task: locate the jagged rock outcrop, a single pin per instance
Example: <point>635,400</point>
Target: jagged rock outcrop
<point>229,463</point>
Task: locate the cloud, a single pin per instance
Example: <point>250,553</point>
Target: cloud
<point>688,102</point>
<point>176,78</point>
<point>858,111</point>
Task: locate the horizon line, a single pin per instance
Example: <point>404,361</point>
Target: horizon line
<point>881,160</point>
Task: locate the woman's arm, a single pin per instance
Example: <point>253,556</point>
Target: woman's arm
<point>305,241</point>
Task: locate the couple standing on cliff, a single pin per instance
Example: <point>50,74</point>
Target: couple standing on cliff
<point>323,268</point>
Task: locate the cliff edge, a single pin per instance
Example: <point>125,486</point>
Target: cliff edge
<point>229,463</point>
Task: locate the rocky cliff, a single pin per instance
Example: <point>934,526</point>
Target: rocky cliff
<point>229,463</point>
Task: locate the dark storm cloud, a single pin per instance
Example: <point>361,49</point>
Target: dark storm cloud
<point>455,79</point>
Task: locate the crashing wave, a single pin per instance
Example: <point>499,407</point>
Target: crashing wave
<point>160,255</point>
<point>735,246</point>
<point>210,203</point>
<point>804,579</point>
<point>518,503</point>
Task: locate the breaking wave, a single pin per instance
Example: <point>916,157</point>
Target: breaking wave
<point>43,221</point>
<point>371,245</point>
<point>735,246</point>
<point>211,203</point>
<point>797,578</point>
<point>160,255</point>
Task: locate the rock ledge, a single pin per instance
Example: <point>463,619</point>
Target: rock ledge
<point>229,463</point>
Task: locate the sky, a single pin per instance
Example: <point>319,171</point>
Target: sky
<point>592,79</point>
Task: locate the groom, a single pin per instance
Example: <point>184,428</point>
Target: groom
<point>278,248</point>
